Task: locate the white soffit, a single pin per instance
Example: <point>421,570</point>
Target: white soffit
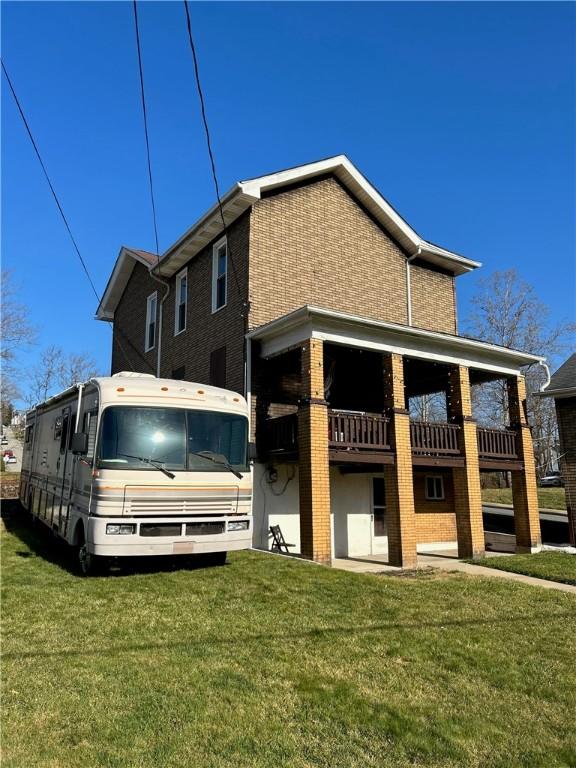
<point>353,331</point>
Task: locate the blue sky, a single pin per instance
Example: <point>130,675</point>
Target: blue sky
<point>462,114</point>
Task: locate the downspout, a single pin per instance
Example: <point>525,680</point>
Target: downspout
<point>408,284</point>
<point>547,369</point>
<point>160,313</point>
<point>248,382</point>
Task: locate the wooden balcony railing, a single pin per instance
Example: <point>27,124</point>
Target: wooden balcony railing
<point>358,431</point>
<point>434,439</point>
<point>282,434</point>
<point>370,433</point>
<point>497,443</point>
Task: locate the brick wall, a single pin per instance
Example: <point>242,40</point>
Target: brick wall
<point>315,245</point>
<point>130,324</point>
<point>204,332</point>
<point>566,415</point>
<point>435,520</point>
<point>433,299</point>
<point>207,331</point>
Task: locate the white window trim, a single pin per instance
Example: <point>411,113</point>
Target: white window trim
<point>443,490</point>
<point>148,318</point>
<point>179,277</point>
<point>215,249</point>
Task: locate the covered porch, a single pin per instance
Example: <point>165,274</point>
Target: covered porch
<point>332,398</point>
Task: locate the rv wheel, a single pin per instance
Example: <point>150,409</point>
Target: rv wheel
<point>89,564</point>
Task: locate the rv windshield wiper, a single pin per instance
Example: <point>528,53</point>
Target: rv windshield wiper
<point>153,463</point>
<point>217,458</point>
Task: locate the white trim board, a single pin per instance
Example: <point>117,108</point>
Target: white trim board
<point>354,331</point>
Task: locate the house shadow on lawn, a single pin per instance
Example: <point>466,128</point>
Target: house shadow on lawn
<point>39,541</point>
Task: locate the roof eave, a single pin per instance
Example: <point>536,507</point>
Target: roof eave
<point>307,314</point>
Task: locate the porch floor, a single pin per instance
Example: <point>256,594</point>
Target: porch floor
<point>444,560</point>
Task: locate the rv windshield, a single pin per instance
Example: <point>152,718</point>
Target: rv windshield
<point>132,436</point>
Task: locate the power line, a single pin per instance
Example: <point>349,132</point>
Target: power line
<point>145,115</point>
<point>54,195</point>
<point>61,211</point>
<point>209,145</point>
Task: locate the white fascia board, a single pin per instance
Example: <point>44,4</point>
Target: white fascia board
<point>369,196</point>
<point>558,394</point>
<point>117,282</point>
<point>234,203</point>
<point>349,330</point>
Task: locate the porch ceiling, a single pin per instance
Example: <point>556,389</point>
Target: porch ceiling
<point>349,330</point>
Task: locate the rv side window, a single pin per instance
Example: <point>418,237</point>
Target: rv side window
<point>64,432</point>
<point>29,432</point>
<point>58,428</point>
<point>90,424</point>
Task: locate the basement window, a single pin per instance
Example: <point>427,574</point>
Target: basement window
<point>151,307</point>
<point>219,275</point>
<point>181,302</point>
<point>434,487</point>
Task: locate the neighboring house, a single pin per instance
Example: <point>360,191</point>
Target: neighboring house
<point>562,387</point>
<point>329,312</point>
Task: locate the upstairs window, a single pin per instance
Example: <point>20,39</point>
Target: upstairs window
<point>151,308</point>
<point>181,302</point>
<point>219,275</point>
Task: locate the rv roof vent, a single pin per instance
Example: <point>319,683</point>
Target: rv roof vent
<point>133,375</point>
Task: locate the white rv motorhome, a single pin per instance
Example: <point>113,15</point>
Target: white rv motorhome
<point>135,465</point>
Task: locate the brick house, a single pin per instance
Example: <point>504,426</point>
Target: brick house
<point>332,315</point>
<point>562,387</point>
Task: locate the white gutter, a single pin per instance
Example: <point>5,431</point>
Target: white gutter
<point>160,314</point>
<point>408,283</point>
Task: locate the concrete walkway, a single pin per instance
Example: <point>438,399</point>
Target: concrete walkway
<point>447,562</point>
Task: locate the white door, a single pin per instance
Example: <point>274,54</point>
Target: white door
<point>379,522</point>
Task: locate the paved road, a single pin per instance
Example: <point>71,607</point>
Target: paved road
<point>15,446</point>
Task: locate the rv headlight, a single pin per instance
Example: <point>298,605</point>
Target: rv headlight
<point>115,529</point>
<point>238,525</point>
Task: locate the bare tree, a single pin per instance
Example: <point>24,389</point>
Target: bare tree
<point>56,371</point>
<point>16,332</point>
<point>507,311</point>
<point>76,367</point>
<point>44,377</point>
<point>428,407</point>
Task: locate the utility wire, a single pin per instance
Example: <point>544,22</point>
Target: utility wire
<point>145,115</point>
<point>54,195</point>
<point>63,215</point>
<point>209,145</point>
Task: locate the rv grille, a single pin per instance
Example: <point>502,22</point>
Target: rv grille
<point>202,529</point>
<point>160,529</point>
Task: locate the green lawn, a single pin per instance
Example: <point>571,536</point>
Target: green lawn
<point>274,662</point>
<point>554,566</point>
<point>548,498</point>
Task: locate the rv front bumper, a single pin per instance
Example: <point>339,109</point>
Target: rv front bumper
<point>161,536</point>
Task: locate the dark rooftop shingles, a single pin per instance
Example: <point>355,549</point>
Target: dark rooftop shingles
<point>565,376</point>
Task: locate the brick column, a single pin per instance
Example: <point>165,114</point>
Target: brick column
<point>314,468</point>
<point>398,478</point>
<point>524,492</point>
<point>467,494</point>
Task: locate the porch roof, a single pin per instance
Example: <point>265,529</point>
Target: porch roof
<point>307,322</point>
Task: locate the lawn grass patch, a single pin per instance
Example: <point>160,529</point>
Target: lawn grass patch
<point>270,662</point>
<point>548,498</point>
<point>553,566</point>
